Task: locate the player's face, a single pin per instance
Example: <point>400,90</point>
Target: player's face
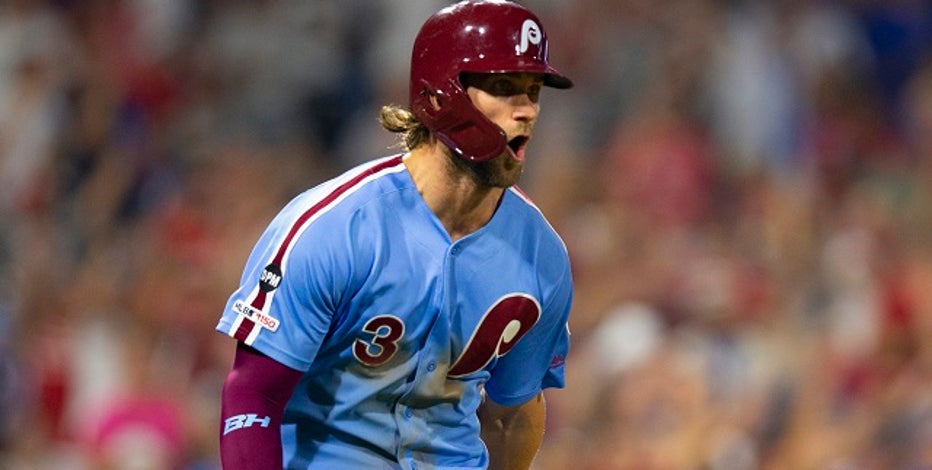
<point>510,100</point>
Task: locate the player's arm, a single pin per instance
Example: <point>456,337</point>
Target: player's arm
<point>512,434</point>
<point>252,404</point>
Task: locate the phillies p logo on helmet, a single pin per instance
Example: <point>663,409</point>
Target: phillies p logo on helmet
<point>530,33</point>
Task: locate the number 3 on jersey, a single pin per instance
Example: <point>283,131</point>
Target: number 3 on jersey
<point>386,331</point>
<point>498,331</point>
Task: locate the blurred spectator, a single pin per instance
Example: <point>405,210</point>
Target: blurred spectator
<point>743,186</point>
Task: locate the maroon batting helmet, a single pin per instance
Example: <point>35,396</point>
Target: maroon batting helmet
<point>481,36</point>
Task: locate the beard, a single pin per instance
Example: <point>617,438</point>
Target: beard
<point>502,171</point>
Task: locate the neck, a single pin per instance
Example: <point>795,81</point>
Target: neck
<point>460,203</point>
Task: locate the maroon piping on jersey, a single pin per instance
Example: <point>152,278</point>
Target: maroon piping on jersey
<point>259,302</point>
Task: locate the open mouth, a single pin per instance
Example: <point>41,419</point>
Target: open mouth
<point>517,145</point>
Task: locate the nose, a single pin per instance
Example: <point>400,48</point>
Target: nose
<point>525,108</point>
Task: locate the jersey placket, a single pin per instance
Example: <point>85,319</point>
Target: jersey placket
<point>432,363</point>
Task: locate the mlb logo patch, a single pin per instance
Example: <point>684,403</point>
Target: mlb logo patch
<point>257,316</point>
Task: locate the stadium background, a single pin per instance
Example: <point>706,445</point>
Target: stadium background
<point>744,187</point>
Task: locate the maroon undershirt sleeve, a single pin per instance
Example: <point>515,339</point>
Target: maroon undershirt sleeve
<point>252,404</point>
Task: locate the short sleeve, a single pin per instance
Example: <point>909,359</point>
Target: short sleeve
<point>289,291</point>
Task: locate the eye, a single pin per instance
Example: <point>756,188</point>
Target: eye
<point>533,92</point>
<point>504,87</point>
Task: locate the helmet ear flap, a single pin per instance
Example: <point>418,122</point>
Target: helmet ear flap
<point>432,96</point>
<point>456,122</point>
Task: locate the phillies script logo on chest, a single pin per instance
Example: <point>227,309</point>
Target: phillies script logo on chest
<point>499,329</point>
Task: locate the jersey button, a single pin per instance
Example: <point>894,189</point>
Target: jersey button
<point>431,366</point>
<point>455,250</point>
<point>408,413</point>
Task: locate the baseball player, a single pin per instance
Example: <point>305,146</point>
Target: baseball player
<point>408,313</point>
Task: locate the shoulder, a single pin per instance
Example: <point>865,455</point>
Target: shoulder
<point>363,181</point>
<point>341,195</point>
<point>526,226</point>
<point>520,206</point>
<point>315,232</point>
<point>322,215</point>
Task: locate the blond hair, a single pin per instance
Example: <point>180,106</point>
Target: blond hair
<point>399,120</point>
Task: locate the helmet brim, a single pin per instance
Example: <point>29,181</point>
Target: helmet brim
<point>555,79</point>
<point>552,77</point>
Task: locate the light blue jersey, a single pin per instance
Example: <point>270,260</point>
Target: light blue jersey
<point>398,329</point>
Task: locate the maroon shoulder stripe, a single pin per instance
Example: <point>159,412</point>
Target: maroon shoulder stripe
<point>260,300</point>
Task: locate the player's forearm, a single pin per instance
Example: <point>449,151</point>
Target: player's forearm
<point>254,444</point>
<point>252,404</point>
<point>250,429</point>
<point>513,434</point>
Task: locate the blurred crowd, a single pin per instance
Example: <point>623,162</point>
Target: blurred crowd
<point>744,186</point>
